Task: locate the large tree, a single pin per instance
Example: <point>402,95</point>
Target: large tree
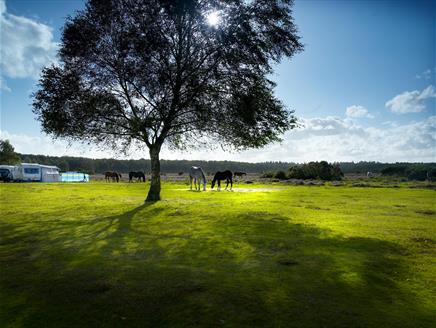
<point>169,71</point>
<point>7,153</point>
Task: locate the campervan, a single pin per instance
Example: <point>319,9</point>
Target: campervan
<point>37,172</point>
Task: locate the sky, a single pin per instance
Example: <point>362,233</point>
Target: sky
<point>364,88</point>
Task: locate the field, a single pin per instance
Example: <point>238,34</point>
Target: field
<point>94,255</point>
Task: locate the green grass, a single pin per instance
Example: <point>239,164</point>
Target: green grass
<point>87,255</point>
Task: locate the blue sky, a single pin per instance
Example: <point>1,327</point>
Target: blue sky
<point>364,88</point>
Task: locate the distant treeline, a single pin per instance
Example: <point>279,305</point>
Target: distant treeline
<point>377,167</point>
<point>93,166</point>
<point>412,171</point>
<point>325,171</point>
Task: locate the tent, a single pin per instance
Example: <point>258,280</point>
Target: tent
<point>75,177</point>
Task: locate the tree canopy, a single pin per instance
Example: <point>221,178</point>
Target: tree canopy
<point>155,71</point>
<point>7,153</point>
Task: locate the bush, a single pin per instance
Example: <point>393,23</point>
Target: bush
<point>281,175</point>
<point>267,175</point>
<point>316,170</point>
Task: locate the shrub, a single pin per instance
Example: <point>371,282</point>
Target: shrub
<point>267,175</point>
<point>316,170</point>
<point>281,175</point>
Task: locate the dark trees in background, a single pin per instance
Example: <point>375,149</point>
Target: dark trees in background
<point>155,72</point>
<point>316,170</point>
<point>7,153</point>
<point>416,171</point>
<point>99,166</point>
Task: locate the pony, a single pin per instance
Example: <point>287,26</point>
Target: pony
<point>226,175</point>
<point>140,175</point>
<point>197,174</point>
<point>112,175</point>
<point>239,174</point>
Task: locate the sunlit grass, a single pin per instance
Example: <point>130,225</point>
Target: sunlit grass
<point>265,255</point>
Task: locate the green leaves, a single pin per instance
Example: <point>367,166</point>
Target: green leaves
<point>155,71</point>
<point>7,153</point>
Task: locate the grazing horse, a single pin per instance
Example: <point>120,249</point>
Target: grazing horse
<point>197,174</point>
<point>226,175</point>
<point>140,175</point>
<point>112,175</point>
<point>239,174</point>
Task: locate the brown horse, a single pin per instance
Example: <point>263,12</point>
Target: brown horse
<point>239,174</point>
<point>112,175</point>
<point>140,175</point>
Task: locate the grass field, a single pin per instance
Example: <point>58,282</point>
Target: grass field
<point>85,255</point>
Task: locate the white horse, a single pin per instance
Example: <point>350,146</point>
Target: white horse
<point>197,174</point>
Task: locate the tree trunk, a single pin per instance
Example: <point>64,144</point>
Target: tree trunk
<point>154,192</point>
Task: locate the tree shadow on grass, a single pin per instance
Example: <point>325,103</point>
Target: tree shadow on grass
<point>255,269</point>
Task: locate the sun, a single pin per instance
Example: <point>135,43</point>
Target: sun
<point>213,18</point>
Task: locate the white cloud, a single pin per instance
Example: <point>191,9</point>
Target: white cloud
<point>3,85</point>
<point>357,111</point>
<point>2,7</point>
<point>426,75</point>
<point>336,139</point>
<point>26,45</point>
<point>327,138</point>
<point>43,145</point>
<point>411,101</point>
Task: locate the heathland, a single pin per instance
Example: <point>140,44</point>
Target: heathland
<point>83,255</point>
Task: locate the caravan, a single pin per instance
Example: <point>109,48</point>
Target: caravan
<point>7,173</point>
<point>36,172</point>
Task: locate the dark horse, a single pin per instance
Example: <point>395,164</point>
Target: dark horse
<point>112,175</point>
<point>226,175</point>
<point>140,175</point>
<point>239,174</point>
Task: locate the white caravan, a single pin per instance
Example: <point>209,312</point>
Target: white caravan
<point>7,173</point>
<point>37,172</point>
